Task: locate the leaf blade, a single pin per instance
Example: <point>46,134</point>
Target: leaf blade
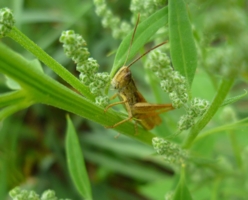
<point>182,191</point>
<point>144,32</point>
<point>182,44</point>
<point>75,162</point>
<point>233,99</point>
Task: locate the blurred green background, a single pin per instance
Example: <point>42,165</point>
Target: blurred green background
<point>32,152</point>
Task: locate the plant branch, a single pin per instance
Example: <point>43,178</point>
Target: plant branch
<point>11,98</point>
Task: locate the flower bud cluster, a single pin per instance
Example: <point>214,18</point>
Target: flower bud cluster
<point>196,109</point>
<point>18,194</point>
<point>171,152</point>
<point>75,47</point>
<point>146,8</point>
<point>6,21</point>
<point>159,2</point>
<point>109,20</point>
<point>227,25</point>
<point>228,22</point>
<point>171,81</point>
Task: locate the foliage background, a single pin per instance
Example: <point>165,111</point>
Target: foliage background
<point>32,141</point>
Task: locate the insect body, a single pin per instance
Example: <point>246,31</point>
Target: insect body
<point>136,105</point>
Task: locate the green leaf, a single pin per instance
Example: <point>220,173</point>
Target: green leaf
<point>76,163</point>
<point>233,99</point>
<point>12,102</point>
<point>14,85</point>
<point>144,32</point>
<point>182,45</point>
<point>11,84</point>
<point>12,98</point>
<point>182,191</point>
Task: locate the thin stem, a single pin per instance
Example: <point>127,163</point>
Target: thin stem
<point>146,53</point>
<point>6,112</point>
<point>29,45</point>
<point>236,149</point>
<point>11,98</point>
<point>215,188</point>
<point>232,126</point>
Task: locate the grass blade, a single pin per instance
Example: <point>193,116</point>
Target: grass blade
<point>76,163</point>
<point>145,31</point>
<point>233,99</point>
<point>182,45</point>
<point>182,191</point>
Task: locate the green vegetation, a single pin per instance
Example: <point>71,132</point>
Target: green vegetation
<point>53,140</point>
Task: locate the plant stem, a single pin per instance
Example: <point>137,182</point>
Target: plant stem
<point>232,126</point>
<point>11,98</point>
<point>5,112</point>
<point>236,149</point>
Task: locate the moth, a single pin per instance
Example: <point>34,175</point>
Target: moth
<point>137,107</point>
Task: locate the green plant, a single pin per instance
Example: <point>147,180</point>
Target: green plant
<point>208,52</point>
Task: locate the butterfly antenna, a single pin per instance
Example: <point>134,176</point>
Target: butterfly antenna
<point>131,42</point>
<point>146,53</point>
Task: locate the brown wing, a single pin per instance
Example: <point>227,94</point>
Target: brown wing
<point>149,122</point>
<point>145,107</point>
<point>148,119</point>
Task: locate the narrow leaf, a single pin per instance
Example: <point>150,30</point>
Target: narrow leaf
<point>233,99</point>
<point>182,45</point>
<point>144,32</point>
<point>182,191</point>
<point>14,85</point>
<point>76,163</point>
